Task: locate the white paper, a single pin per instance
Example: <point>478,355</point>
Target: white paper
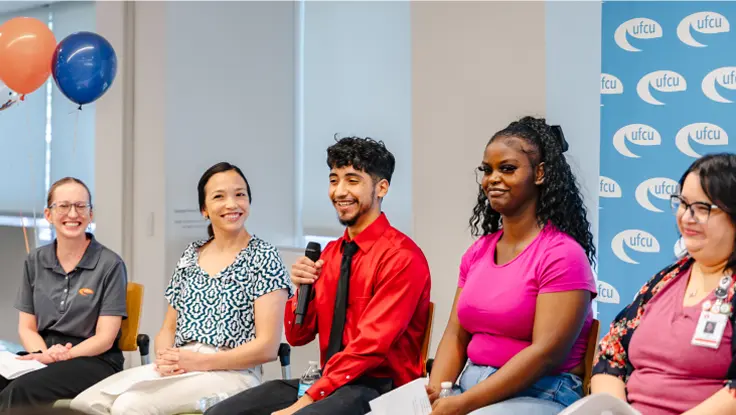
<point>410,399</point>
<point>137,376</point>
<point>600,404</point>
<point>11,367</point>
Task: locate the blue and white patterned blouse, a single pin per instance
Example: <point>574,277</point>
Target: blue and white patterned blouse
<point>219,310</point>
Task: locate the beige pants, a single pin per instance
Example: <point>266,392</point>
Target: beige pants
<point>165,396</point>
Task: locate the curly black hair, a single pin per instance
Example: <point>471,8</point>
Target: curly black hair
<point>364,154</point>
<point>560,201</point>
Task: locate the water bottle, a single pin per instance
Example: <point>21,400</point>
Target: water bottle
<point>446,390</point>
<point>308,378</point>
<point>210,401</point>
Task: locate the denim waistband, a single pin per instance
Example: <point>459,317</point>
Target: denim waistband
<point>564,388</point>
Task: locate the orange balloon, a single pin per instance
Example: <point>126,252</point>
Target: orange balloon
<point>26,48</point>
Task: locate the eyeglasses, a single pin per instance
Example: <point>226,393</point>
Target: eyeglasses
<point>700,211</point>
<point>63,208</point>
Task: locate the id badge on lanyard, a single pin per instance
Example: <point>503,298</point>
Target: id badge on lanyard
<point>714,318</point>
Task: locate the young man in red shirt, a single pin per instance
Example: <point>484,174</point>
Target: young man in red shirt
<point>370,299</point>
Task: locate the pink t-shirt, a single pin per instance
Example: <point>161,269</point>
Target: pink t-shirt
<point>498,302</point>
<point>671,376</point>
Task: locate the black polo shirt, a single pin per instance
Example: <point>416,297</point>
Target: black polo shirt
<point>67,306</point>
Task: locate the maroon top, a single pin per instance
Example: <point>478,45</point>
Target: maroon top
<point>671,375</point>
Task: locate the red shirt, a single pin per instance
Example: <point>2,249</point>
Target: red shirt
<point>387,313</point>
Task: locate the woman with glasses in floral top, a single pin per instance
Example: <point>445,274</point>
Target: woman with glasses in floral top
<point>71,303</point>
<point>672,350</point>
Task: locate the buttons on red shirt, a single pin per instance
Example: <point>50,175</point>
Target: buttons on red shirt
<point>388,272</point>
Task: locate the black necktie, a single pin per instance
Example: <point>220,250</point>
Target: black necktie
<point>341,300</point>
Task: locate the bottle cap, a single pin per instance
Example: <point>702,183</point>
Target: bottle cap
<point>446,385</point>
<point>313,363</point>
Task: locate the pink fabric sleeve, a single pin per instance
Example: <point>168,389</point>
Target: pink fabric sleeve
<point>565,267</point>
<point>469,258</point>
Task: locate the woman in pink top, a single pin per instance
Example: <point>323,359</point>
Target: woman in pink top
<point>522,309</point>
<point>657,357</point>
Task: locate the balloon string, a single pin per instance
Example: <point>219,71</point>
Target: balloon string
<point>33,176</point>
<point>25,233</point>
<point>76,128</point>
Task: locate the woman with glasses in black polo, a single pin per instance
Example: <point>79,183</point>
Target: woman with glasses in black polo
<point>672,350</point>
<point>71,303</point>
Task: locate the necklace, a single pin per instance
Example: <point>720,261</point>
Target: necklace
<point>695,290</point>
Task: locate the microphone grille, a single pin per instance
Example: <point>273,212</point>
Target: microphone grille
<point>313,251</point>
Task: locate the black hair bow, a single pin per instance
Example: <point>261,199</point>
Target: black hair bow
<point>560,136</point>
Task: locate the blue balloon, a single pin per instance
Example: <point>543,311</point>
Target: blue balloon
<point>84,66</point>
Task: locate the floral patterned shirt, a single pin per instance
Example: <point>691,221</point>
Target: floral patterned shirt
<point>612,355</point>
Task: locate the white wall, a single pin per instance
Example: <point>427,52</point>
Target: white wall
<point>149,155</point>
<point>230,98</point>
<point>573,89</point>
<point>357,81</point>
<point>475,70</point>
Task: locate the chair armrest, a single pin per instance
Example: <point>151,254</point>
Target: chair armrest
<point>144,343</point>
<point>285,359</point>
<point>285,354</point>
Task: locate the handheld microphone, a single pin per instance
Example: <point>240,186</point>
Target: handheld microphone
<point>313,251</point>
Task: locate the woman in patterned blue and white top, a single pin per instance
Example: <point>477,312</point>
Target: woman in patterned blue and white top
<point>226,299</point>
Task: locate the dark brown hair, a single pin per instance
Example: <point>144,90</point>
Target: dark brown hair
<point>220,167</point>
<point>717,175</point>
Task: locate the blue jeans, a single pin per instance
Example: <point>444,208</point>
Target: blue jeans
<point>550,395</point>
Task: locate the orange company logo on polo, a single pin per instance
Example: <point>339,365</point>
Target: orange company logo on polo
<point>85,291</point>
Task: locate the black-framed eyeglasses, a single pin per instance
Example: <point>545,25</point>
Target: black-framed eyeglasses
<point>700,211</point>
<point>63,208</point>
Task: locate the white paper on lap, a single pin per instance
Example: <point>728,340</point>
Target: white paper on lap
<point>11,367</point>
<point>144,374</point>
<point>409,399</point>
<point>600,404</point>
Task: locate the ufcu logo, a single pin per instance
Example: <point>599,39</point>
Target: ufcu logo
<point>702,22</point>
<point>636,239</point>
<point>639,134</point>
<point>663,81</point>
<point>660,187</point>
<point>607,293</point>
<point>702,133</point>
<point>608,188</point>
<point>611,85</point>
<point>639,28</point>
<point>725,77</point>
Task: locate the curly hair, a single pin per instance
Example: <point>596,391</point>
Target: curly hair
<point>364,154</point>
<point>560,201</point>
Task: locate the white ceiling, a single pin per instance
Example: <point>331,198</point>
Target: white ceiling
<point>14,6</point>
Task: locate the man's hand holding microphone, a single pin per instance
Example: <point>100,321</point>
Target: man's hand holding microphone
<point>304,274</point>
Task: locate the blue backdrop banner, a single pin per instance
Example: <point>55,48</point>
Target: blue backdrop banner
<point>668,87</point>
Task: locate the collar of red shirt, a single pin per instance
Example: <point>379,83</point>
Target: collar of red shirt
<point>368,237</point>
